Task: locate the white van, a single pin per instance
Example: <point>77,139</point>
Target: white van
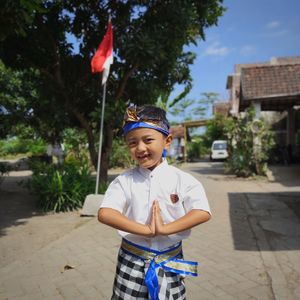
<point>219,150</point>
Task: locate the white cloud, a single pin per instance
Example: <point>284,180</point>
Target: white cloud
<point>281,32</point>
<point>273,24</point>
<point>274,29</point>
<point>278,33</point>
<point>215,49</point>
<point>248,50</point>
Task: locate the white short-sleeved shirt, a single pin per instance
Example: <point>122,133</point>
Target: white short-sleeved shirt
<point>133,192</point>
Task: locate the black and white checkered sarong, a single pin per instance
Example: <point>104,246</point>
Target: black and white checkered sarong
<point>129,280</point>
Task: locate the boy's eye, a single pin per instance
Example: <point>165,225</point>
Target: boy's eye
<point>131,143</point>
<point>149,140</point>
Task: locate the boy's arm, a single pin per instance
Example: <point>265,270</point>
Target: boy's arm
<point>115,219</point>
<point>191,219</point>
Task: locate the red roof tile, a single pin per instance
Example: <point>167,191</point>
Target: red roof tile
<point>221,108</point>
<point>177,131</point>
<point>271,81</point>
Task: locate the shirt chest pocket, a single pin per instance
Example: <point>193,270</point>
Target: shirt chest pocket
<point>168,191</point>
<point>172,211</point>
<point>172,205</point>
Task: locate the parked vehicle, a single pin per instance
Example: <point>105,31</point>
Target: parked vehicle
<point>219,150</point>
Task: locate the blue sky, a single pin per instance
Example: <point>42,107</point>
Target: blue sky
<point>249,31</point>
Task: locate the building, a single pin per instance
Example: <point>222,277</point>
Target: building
<point>177,147</point>
<point>273,88</point>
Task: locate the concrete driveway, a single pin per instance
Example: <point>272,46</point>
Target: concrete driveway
<point>249,250</point>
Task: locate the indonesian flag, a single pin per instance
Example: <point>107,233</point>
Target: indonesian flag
<point>103,57</point>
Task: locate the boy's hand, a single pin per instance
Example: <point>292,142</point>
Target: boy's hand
<point>152,223</point>
<point>159,224</point>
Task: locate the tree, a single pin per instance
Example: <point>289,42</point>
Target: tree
<point>215,130</point>
<point>250,142</point>
<point>190,109</point>
<point>15,16</point>
<point>15,91</point>
<point>206,102</point>
<point>148,51</point>
<point>21,109</point>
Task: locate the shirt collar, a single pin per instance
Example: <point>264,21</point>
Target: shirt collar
<point>147,173</point>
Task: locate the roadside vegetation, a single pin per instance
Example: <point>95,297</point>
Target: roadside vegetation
<point>250,142</point>
<point>16,146</point>
<point>250,145</point>
<point>54,97</point>
<point>61,187</point>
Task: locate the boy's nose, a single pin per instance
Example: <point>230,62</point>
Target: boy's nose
<point>141,146</point>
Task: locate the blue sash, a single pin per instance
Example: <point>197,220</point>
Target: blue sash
<point>166,259</point>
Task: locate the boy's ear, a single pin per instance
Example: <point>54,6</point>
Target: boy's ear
<point>169,139</point>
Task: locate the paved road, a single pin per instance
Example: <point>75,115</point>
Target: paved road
<point>249,250</point>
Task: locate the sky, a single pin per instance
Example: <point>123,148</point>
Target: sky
<point>250,31</point>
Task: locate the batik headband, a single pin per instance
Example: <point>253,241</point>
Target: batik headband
<point>133,120</point>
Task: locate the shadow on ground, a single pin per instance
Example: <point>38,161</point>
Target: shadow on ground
<point>287,175</point>
<point>276,215</point>
<point>17,204</point>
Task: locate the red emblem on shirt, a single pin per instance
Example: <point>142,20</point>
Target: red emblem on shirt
<point>174,198</point>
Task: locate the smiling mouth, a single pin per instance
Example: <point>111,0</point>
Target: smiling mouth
<point>144,156</point>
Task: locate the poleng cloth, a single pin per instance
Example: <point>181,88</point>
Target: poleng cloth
<point>166,259</point>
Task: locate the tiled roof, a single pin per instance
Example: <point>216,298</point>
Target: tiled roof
<point>273,81</point>
<point>288,60</point>
<point>177,131</point>
<point>221,108</point>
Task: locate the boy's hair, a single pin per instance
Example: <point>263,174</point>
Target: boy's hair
<point>154,113</point>
<point>146,116</point>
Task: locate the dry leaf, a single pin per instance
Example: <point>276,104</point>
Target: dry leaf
<point>67,267</point>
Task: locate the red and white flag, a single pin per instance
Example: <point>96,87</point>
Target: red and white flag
<point>103,57</point>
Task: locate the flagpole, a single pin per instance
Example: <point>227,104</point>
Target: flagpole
<point>101,62</point>
<point>100,138</point>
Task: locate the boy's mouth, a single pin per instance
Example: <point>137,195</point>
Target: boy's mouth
<point>143,156</point>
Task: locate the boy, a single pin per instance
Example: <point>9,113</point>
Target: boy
<point>153,206</point>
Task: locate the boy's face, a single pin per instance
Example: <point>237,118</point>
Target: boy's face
<point>146,146</point>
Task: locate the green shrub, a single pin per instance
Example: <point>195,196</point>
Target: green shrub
<point>16,146</point>
<point>215,130</point>
<point>61,188</point>
<point>74,141</point>
<point>120,156</point>
<point>36,147</point>
<point>249,144</point>
<point>13,146</point>
<point>78,159</point>
<point>196,149</point>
